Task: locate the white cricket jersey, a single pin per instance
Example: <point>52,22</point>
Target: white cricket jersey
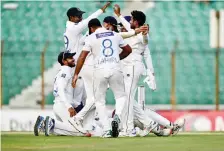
<point>89,58</point>
<point>138,47</point>
<point>63,90</point>
<point>105,48</point>
<point>73,37</point>
<point>138,44</point>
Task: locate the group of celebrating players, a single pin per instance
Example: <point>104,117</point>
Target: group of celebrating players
<point>107,56</point>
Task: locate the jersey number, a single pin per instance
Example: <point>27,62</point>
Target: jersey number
<point>107,49</point>
<point>66,42</point>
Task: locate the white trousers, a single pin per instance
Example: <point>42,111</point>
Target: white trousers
<point>87,76</point>
<point>131,75</point>
<point>63,121</point>
<point>113,77</point>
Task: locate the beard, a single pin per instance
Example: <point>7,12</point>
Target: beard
<point>133,26</point>
<point>71,65</point>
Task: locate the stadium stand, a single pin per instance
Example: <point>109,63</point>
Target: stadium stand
<point>185,22</point>
<point>37,22</point>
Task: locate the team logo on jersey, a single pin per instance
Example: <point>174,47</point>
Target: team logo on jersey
<point>63,75</point>
<point>106,34</point>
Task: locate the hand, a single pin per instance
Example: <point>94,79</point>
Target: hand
<point>74,80</point>
<point>72,111</point>
<point>117,10</point>
<point>141,29</point>
<point>105,6</point>
<point>147,31</point>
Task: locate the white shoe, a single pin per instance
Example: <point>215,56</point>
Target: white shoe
<point>107,134</point>
<point>131,133</point>
<point>122,134</point>
<point>177,126</point>
<point>148,129</point>
<point>162,132</point>
<point>49,125</point>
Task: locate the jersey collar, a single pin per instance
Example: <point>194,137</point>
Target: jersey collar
<point>69,23</point>
<point>100,29</point>
<point>67,69</point>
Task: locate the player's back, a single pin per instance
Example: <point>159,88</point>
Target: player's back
<point>105,47</point>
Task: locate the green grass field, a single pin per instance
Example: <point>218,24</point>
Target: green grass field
<point>182,142</point>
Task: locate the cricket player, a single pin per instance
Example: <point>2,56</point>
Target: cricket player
<point>73,37</point>
<point>140,118</point>
<point>68,101</point>
<point>74,41</point>
<point>109,23</point>
<point>104,46</point>
<point>133,65</point>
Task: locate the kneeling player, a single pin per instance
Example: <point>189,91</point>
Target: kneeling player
<point>68,101</point>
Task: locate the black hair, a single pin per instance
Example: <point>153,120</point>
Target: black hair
<point>94,23</point>
<point>74,11</point>
<point>139,17</point>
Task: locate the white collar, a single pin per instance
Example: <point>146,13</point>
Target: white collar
<point>100,29</point>
<point>66,68</point>
<point>69,23</point>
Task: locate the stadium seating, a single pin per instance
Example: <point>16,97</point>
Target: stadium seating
<point>26,30</point>
<point>188,23</point>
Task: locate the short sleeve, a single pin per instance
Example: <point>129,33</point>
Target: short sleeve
<point>121,41</point>
<point>87,46</point>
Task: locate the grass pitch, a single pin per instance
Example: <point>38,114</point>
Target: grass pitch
<point>181,142</point>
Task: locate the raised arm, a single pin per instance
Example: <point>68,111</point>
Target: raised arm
<point>117,11</point>
<point>133,32</point>
<point>84,23</point>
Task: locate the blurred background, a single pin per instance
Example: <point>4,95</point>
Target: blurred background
<point>189,71</point>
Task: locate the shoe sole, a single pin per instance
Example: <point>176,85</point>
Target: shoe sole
<point>46,122</point>
<point>154,127</point>
<point>36,126</point>
<point>150,130</point>
<point>115,131</point>
<point>175,132</point>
